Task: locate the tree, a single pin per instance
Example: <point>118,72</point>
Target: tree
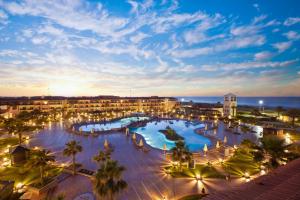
<point>108,181</point>
<point>14,125</point>
<point>72,148</point>
<point>275,147</point>
<point>103,157</point>
<point>181,153</point>
<point>293,113</point>
<point>279,110</point>
<point>40,159</point>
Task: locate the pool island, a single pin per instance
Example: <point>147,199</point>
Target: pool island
<point>171,134</point>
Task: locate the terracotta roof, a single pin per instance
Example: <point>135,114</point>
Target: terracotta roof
<point>281,184</point>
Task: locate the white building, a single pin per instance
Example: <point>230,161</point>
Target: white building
<point>230,105</point>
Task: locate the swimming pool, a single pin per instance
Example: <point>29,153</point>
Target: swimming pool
<point>186,129</point>
<point>111,125</point>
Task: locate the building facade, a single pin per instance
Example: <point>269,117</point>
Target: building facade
<point>230,105</point>
<point>89,104</point>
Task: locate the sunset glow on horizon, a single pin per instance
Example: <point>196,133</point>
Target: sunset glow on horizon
<point>144,48</point>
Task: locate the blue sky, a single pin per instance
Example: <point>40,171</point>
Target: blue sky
<point>150,47</point>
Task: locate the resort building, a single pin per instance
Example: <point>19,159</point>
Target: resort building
<point>152,104</point>
<point>230,105</point>
<point>200,110</point>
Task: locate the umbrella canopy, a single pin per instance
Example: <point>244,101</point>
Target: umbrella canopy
<point>80,129</point>
<point>225,140</point>
<point>218,145</point>
<point>165,147</point>
<point>205,149</point>
<point>141,143</point>
<point>126,131</point>
<point>105,143</point>
<point>92,131</point>
<point>133,136</point>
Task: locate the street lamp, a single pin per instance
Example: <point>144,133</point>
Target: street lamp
<point>261,103</point>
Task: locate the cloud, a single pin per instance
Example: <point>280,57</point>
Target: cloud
<point>138,37</point>
<point>292,35</point>
<point>247,65</point>
<point>264,55</point>
<point>256,6</point>
<point>282,46</point>
<point>72,14</point>
<point>199,33</point>
<point>225,45</point>
<point>291,21</point>
<point>3,17</point>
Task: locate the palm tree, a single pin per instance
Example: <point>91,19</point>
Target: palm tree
<point>293,113</point>
<point>100,157</point>
<point>40,159</point>
<point>275,147</point>
<point>279,110</point>
<point>108,180</point>
<point>181,153</point>
<point>103,157</point>
<point>14,125</point>
<point>72,148</point>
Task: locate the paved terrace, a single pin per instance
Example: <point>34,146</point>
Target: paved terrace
<point>143,170</point>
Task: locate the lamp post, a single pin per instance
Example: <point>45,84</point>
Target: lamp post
<point>261,105</point>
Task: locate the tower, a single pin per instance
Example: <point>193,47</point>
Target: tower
<point>230,105</point>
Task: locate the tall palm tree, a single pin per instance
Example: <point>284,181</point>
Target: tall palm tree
<point>108,181</point>
<point>293,113</point>
<point>103,157</point>
<point>275,147</point>
<point>100,157</point>
<point>279,110</point>
<point>181,153</point>
<point>40,159</point>
<point>14,125</point>
<point>72,148</point>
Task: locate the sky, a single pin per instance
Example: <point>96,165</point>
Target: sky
<point>149,47</point>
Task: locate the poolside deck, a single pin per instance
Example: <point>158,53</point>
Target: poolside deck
<point>143,174</point>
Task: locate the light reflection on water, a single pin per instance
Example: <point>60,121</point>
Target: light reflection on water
<point>112,125</point>
<point>186,129</point>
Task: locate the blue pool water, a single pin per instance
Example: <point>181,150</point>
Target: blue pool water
<point>156,139</point>
<point>112,125</point>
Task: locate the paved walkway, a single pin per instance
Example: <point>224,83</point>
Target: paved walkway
<point>143,174</point>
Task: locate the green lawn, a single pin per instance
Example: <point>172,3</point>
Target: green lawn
<point>27,175</point>
<point>205,171</point>
<point>240,163</point>
<point>8,141</point>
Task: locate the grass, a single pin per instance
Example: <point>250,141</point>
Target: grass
<point>8,141</point>
<point>240,163</point>
<point>27,175</point>
<point>205,171</point>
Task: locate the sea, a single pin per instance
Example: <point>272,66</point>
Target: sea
<point>272,102</point>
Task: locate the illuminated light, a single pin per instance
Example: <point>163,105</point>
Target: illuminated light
<point>235,147</point>
<point>221,160</point>
<point>261,102</point>
<point>262,172</point>
<point>246,175</point>
<point>286,151</point>
<point>19,185</point>
<point>36,148</point>
<point>27,138</point>
<point>198,177</point>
